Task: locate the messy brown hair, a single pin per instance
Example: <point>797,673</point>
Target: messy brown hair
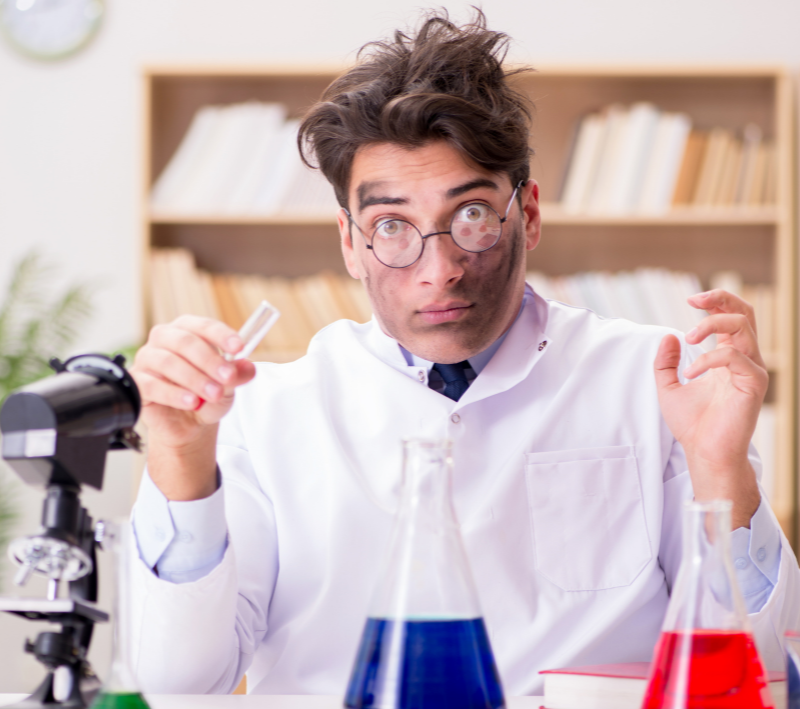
<point>443,82</point>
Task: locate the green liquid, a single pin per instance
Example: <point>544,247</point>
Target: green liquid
<point>122,700</point>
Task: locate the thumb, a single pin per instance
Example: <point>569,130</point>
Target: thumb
<point>668,359</point>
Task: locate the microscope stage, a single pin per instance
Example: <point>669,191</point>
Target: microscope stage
<point>55,611</point>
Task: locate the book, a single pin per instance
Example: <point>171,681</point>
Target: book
<point>584,163</point>
<point>750,145</point>
<point>185,161</point>
<point>609,160</point>
<point>664,163</point>
<point>726,190</point>
<point>712,167</point>
<point>689,172</point>
<point>630,161</point>
<point>617,686</point>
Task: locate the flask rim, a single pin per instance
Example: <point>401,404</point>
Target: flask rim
<point>719,505</point>
<point>424,442</point>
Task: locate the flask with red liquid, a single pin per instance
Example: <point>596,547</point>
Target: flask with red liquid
<point>706,657</point>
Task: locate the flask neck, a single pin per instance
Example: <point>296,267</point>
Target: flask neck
<point>706,593</point>
<point>121,678</point>
<point>426,575</point>
<point>427,483</point>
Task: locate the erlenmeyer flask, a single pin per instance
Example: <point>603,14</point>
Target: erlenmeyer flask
<point>121,690</point>
<point>706,657</point>
<point>424,644</point>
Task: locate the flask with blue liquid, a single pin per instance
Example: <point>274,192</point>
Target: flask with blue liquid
<point>425,645</point>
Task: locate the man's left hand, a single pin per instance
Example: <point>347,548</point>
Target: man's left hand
<point>714,417</point>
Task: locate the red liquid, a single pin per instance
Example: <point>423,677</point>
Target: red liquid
<point>707,669</point>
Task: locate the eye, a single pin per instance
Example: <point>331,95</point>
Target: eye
<point>391,228</point>
<point>473,212</point>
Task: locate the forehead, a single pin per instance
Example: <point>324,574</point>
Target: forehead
<point>391,170</point>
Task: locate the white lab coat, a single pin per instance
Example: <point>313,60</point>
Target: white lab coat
<point>568,487</point>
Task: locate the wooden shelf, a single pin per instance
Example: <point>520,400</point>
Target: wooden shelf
<point>552,213</point>
<point>246,219</point>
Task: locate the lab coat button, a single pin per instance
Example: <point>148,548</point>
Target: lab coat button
<point>455,418</point>
<point>761,554</point>
<point>421,375</point>
<point>740,563</point>
<point>185,537</point>
<point>160,535</point>
<point>542,345</point>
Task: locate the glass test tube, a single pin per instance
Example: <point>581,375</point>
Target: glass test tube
<point>253,331</point>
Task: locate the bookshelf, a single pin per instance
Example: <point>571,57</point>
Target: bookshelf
<point>756,241</point>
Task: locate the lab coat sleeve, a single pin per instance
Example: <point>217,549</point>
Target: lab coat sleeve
<point>773,615</point>
<point>199,637</point>
<point>181,541</point>
<point>781,611</point>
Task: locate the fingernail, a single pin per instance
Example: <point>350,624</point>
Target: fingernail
<point>212,389</point>
<point>233,344</point>
<point>189,399</point>
<point>692,333</point>
<point>226,372</point>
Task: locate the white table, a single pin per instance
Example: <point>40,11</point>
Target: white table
<point>262,701</point>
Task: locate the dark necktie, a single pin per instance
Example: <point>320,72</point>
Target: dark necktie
<point>454,378</point>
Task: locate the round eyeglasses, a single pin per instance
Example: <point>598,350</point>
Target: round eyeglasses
<point>474,227</point>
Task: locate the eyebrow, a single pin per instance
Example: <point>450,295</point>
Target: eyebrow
<point>367,200</point>
<point>472,185</point>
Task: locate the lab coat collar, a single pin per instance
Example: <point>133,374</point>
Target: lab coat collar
<point>524,345</point>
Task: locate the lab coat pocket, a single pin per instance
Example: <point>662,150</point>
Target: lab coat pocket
<point>587,518</point>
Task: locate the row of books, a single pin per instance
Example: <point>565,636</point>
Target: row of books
<point>241,159</point>
<point>649,296</point>
<point>654,296</point>
<point>637,159</point>
<point>307,304</point>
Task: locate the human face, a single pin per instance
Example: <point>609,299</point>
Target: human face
<point>450,304</point>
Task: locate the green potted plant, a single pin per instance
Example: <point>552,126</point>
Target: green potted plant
<point>35,325</point>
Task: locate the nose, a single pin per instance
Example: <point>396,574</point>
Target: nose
<point>442,261</point>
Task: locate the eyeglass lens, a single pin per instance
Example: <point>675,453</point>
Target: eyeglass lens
<point>475,227</point>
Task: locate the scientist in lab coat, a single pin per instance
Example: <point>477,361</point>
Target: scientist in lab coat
<point>270,489</point>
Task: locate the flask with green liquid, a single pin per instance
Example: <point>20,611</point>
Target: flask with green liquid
<point>120,691</point>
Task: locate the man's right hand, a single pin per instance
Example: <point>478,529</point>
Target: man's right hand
<point>187,387</point>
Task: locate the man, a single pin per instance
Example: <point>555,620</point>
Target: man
<point>261,522</point>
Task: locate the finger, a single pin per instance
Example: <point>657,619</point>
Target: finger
<point>194,348</point>
<point>736,326</point>
<point>158,391</point>
<point>665,366</point>
<point>213,331</point>
<point>245,371</point>
<point>740,366</point>
<point>172,367</point>
<point>721,301</point>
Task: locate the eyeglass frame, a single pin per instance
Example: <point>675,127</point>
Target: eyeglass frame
<point>503,220</point>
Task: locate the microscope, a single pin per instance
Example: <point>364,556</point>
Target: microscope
<point>55,435</point>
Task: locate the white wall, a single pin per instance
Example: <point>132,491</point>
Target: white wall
<point>70,132</point>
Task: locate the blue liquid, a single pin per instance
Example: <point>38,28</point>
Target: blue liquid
<point>425,664</point>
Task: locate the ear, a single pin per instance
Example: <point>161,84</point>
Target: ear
<point>533,217</point>
<point>348,249</point>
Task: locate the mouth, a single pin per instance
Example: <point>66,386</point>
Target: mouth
<point>447,312</point>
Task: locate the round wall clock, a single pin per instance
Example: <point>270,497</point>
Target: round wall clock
<point>50,29</point>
